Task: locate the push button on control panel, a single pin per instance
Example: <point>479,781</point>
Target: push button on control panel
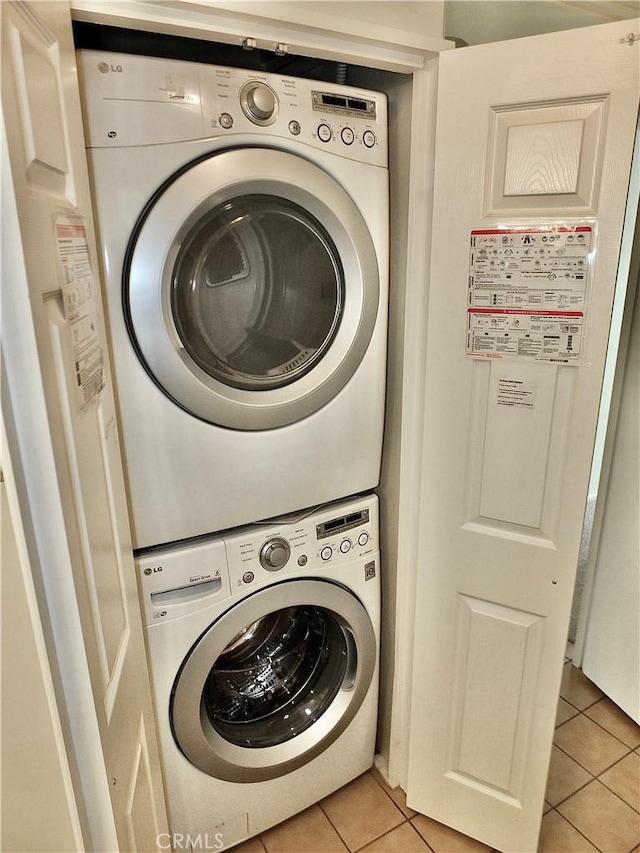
<point>324,132</point>
<point>326,553</point>
<point>363,538</point>
<point>369,138</point>
<point>345,546</point>
<point>347,135</point>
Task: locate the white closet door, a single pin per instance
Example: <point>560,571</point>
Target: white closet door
<point>533,134</point>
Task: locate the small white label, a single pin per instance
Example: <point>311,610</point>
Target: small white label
<point>516,393</point>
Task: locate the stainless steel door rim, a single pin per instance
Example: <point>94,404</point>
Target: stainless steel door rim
<point>178,210</point>
<point>215,755</point>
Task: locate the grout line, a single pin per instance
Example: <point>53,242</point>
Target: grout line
<point>586,837</point>
<point>420,835</point>
<point>608,731</point>
<point>335,828</point>
<point>615,793</point>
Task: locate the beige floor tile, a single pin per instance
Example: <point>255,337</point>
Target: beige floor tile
<point>361,812</point>
<point>577,689</point>
<point>307,832</point>
<point>603,818</point>
<point>397,794</point>
<point>565,777</point>
<point>614,720</point>
<point>624,779</point>
<point>443,839</point>
<point>565,711</point>
<point>402,839</point>
<point>253,845</point>
<point>588,744</point>
<point>558,836</point>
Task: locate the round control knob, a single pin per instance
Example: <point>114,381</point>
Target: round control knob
<point>345,546</point>
<point>274,554</point>
<point>327,552</point>
<point>259,102</point>
<point>363,538</point>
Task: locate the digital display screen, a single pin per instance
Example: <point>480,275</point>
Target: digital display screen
<point>334,101</point>
<point>344,522</point>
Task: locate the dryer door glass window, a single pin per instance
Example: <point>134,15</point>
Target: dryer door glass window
<point>278,676</point>
<point>257,292</point>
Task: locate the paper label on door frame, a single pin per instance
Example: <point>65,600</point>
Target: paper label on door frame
<point>79,307</point>
<point>527,292</point>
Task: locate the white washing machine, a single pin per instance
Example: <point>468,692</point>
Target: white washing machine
<point>263,650</point>
<point>243,222</point>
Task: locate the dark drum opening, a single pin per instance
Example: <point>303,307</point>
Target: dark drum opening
<point>257,292</point>
<point>277,677</point>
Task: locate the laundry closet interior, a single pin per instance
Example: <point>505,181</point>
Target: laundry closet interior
<point>305,519</point>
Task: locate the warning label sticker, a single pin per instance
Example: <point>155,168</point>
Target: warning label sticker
<point>527,292</point>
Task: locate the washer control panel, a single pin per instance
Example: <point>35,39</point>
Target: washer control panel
<point>321,540</point>
<point>182,579</point>
<point>142,100</point>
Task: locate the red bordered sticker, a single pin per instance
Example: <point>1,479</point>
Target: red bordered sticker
<point>527,292</point>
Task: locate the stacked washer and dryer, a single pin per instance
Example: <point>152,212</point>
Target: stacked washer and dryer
<point>243,224</point>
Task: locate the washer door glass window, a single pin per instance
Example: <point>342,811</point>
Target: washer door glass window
<point>278,676</point>
<point>274,681</point>
<point>257,292</point>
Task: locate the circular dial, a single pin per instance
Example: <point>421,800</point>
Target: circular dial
<point>274,554</point>
<point>259,102</point>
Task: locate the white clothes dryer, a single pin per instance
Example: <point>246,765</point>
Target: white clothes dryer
<point>243,222</point>
<point>264,653</point>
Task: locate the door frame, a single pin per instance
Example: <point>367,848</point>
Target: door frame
<point>31,450</point>
<point>627,290</point>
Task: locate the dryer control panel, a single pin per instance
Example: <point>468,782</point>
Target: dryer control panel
<point>141,100</point>
<point>314,542</point>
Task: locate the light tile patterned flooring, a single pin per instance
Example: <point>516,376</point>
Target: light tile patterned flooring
<point>593,796</point>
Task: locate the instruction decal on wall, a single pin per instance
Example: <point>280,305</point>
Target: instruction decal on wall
<point>79,306</point>
<point>527,292</point>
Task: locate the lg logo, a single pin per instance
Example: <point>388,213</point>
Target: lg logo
<point>151,571</point>
<point>105,68</point>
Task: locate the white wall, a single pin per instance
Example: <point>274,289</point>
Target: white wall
<point>481,21</point>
